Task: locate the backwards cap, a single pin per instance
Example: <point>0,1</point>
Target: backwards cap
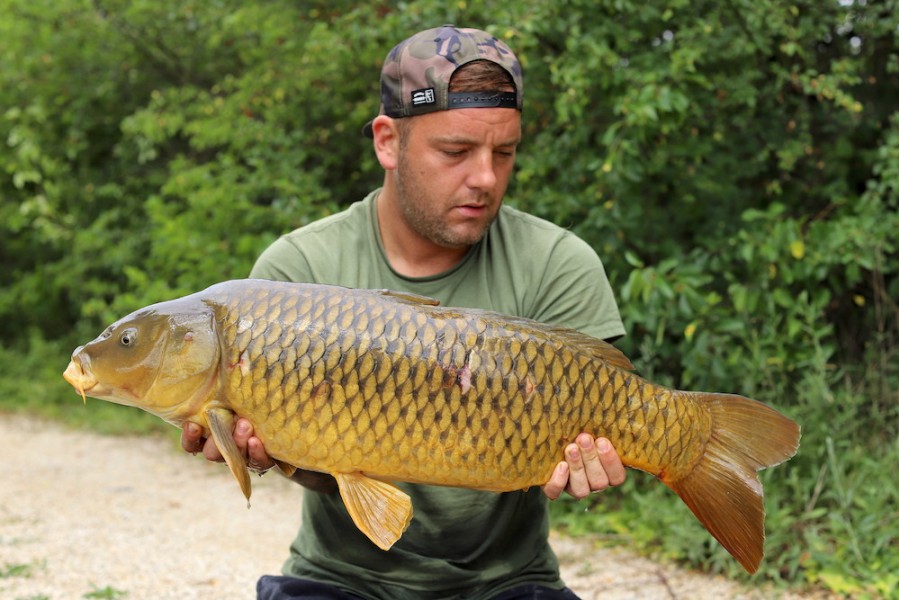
<point>416,73</point>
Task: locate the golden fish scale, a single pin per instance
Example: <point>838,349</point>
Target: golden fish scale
<point>351,380</point>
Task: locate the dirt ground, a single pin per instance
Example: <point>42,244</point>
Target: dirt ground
<point>84,515</point>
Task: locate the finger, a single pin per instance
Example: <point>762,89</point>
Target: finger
<point>597,479</point>
<point>257,458</point>
<point>211,451</point>
<point>243,431</point>
<point>611,462</point>
<point>191,437</point>
<point>557,482</point>
<point>578,485</point>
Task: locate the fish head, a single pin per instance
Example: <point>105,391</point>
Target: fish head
<point>162,359</point>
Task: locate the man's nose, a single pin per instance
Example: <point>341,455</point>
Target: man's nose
<point>482,174</point>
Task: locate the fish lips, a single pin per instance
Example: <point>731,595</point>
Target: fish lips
<point>79,377</point>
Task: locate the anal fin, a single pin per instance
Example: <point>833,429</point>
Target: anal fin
<point>379,509</point>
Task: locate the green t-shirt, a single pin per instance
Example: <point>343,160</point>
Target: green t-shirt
<point>460,543</point>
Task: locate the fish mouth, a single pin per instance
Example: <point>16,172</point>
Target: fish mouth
<point>83,380</point>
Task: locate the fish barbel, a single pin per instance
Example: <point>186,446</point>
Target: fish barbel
<point>374,386</point>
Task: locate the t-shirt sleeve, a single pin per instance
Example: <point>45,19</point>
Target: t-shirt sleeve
<point>282,261</point>
<point>576,292</point>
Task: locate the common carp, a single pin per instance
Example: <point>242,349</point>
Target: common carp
<point>374,386</point>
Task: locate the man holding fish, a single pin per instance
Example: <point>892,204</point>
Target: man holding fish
<point>446,135</point>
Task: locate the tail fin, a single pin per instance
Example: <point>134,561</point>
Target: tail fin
<point>723,489</point>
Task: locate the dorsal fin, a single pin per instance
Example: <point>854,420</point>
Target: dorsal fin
<point>408,297</point>
<point>600,349</point>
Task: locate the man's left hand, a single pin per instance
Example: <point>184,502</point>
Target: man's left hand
<point>589,466</point>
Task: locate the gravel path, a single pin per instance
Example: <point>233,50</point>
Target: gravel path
<point>84,515</point>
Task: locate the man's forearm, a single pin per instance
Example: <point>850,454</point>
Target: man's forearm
<point>315,481</point>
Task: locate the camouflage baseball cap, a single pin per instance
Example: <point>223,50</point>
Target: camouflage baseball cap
<point>416,73</point>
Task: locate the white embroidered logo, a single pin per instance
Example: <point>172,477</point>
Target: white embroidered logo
<point>425,96</point>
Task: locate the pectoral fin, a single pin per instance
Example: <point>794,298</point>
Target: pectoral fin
<point>379,509</point>
<point>221,424</point>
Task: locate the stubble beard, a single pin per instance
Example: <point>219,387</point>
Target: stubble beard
<point>418,211</point>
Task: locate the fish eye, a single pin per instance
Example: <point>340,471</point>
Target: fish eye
<point>128,337</point>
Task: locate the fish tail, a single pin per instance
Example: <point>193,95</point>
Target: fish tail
<point>723,489</point>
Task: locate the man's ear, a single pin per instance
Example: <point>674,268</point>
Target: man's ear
<point>386,141</point>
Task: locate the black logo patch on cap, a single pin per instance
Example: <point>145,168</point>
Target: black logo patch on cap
<point>423,97</point>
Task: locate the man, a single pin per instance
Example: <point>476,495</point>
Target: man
<point>447,133</point>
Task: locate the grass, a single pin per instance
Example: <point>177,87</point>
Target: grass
<point>105,593</point>
<point>25,570</point>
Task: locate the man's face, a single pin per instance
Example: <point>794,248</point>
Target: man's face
<point>452,172</point>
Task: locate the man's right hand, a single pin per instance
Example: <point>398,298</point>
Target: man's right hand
<point>254,454</point>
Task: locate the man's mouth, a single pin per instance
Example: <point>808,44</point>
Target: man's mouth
<point>472,210</point>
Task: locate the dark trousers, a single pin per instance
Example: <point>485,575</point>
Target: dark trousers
<point>277,587</point>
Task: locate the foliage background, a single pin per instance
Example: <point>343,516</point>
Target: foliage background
<point>734,162</point>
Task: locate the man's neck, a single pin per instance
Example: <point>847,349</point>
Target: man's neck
<point>408,253</point>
